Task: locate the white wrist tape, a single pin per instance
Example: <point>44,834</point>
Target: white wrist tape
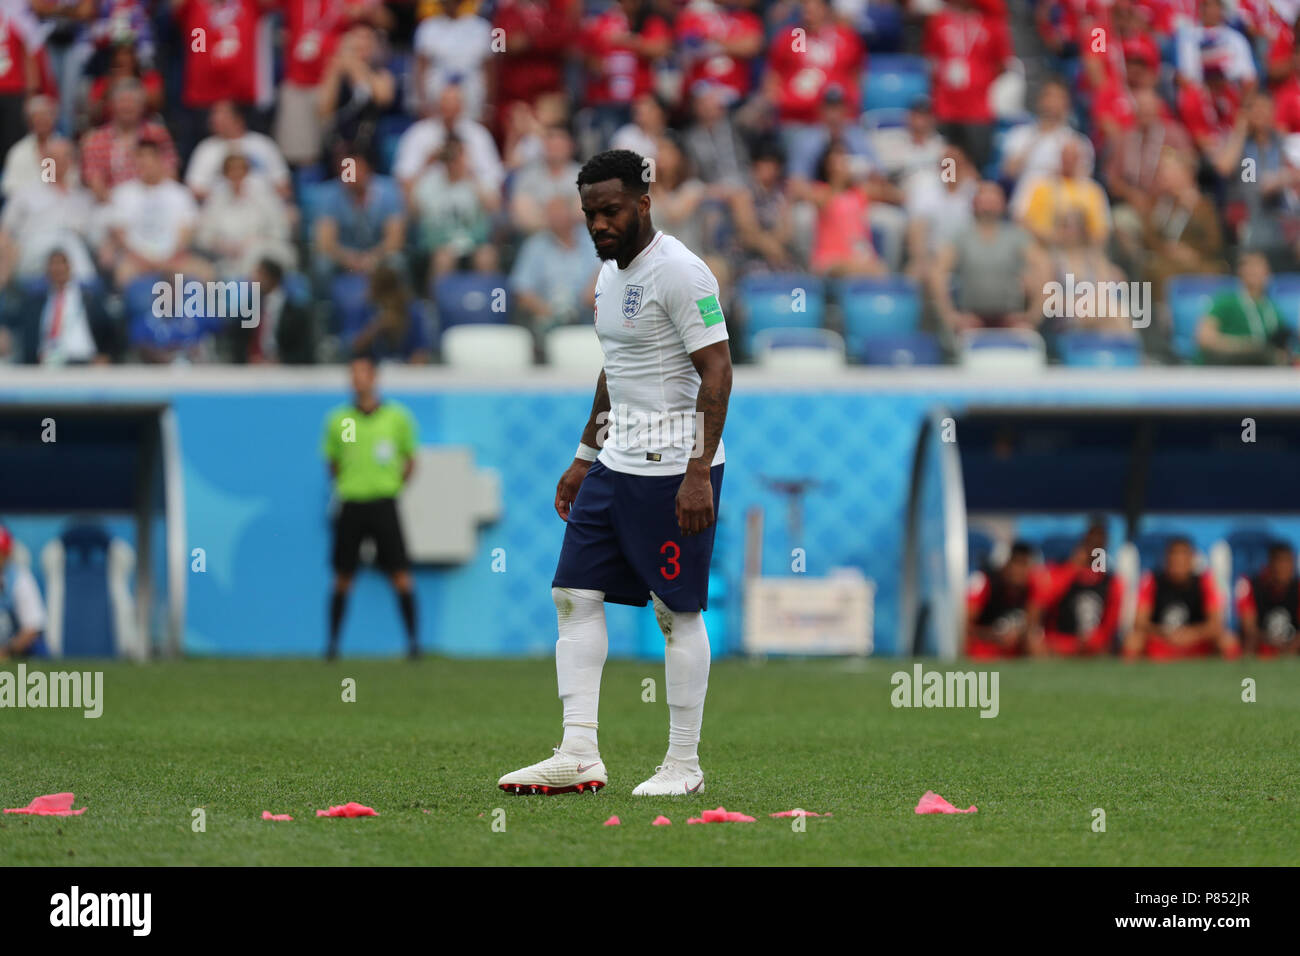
<point>586,452</point>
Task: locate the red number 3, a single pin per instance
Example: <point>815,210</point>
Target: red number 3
<point>672,560</point>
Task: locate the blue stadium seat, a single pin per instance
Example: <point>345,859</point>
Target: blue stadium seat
<point>1249,548</point>
<point>1056,548</point>
<point>1099,350</point>
<point>87,608</point>
<point>388,132</point>
<point>979,549</point>
<point>888,117</point>
<point>1151,549</point>
<point>770,301</point>
<point>1285,293</point>
<point>902,348</point>
<point>1189,298</point>
<point>877,307</point>
<point>314,197</point>
<point>894,79</point>
<point>466,298</point>
<point>348,294</point>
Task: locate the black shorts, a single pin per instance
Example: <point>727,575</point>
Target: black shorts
<point>377,520</point>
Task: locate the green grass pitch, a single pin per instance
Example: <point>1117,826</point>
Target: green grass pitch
<point>1186,772</point>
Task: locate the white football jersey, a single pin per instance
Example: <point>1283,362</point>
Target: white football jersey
<point>650,317</point>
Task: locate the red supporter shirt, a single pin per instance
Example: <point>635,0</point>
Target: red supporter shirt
<point>547,30</point>
<point>833,55</point>
<point>622,76</point>
<point>13,55</point>
<point>314,28</point>
<point>698,29</point>
<point>104,153</point>
<point>966,52</point>
<point>227,68</point>
<point>1286,105</point>
<point>1205,114</point>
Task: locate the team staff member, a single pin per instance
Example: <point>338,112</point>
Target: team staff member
<point>1074,605</point>
<point>1268,605</point>
<point>996,620</point>
<point>370,446</point>
<point>1179,612</point>
<point>22,612</point>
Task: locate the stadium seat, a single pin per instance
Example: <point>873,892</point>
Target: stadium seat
<point>1056,548</point>
<point>1189,297</point>
<point>1285,293</point>
<point>889,117</point>
<point>894,80</point>
<point>1003,350</point>
<point>314,198</point>
<point>780,301</point>
<point>799,350</point>
<point>1248,548</point>
<point>1099,350</point>
<point>1151,549</point>
<point>468,298</point>
<point>904,348</point>
<point>348,294</point>
<point>487,347</point>
<point>91,609</point>
<point>979,549</point>
<point>389,130</point>
<point>877,307</point>
<point>574,347</point>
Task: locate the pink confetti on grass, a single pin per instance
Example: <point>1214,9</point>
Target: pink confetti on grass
<point>721,815</point>
<point>613,822</point>
<point>50,805</point>
<point>268,815</point>
<point>933,803</point>
<point>661,821</point>
<point>348,810</point>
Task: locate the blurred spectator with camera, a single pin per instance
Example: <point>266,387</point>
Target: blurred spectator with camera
<point>230,134</point>
<point>453,213</point>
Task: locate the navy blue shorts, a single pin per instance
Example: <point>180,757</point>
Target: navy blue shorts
<point>622,538</point>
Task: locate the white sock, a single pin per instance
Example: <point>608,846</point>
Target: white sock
<point>686,667</point>
<point>579,658</point>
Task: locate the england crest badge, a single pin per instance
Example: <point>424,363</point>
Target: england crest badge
<point>632,300</point>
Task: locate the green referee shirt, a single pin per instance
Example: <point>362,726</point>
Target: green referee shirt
<point>371,451</point>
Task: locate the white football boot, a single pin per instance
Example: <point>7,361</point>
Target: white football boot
<point>562,773</point>
<point>672,779</point>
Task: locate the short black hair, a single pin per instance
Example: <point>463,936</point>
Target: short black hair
<point>1178,540</point>
<point>273,269</point>
<point>621,164</point>
<point>1021,549</point>
<point>366,355</point>
<point>1277,546</point>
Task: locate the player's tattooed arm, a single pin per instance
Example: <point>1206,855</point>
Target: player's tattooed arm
<point>592,434</point>
<point>695,497</point>
<point>567,490</point>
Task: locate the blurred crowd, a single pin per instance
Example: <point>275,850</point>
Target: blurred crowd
<point>331,149</point>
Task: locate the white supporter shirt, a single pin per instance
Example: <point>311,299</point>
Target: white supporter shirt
<point>153,218</point>
<point>650,317</point>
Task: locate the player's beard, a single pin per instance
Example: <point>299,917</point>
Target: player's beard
<point>623,243</point>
